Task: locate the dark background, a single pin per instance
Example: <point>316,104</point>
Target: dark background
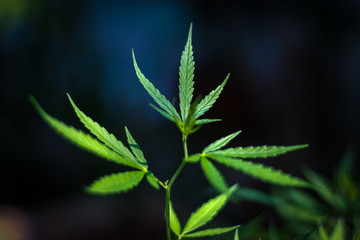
<point>294,79</point>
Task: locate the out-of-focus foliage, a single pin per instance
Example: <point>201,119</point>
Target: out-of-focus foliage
<point>331,211</point>
<point>336,205</point>
<point>12,10</point>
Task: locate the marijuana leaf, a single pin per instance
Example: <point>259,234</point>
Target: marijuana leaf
<point>156,95</point>
<point>152,180</point>
<point>103,135</point>
<point>213,175</point>
<point>205,121</point>
<point>209,100</point>
<point>212,231</point>
<point>194,158</point>
<point>135,148</point>
<point>339,231</point>
<point>220,143</point>
<point>162,112</point>
<point>207,211</point>
<point>174,221</point>
<point>257,152</point>
<point>236,236</point>
<point>259,171</point>
<point>116,183</point>
<point>186,73</point>
<point>84,140</point>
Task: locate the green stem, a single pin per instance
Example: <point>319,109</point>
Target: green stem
<point>168,188</point>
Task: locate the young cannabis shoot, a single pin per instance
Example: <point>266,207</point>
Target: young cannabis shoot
<point>107,146</point>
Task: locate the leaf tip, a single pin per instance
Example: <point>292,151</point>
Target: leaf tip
<point>232,189</point>
<point>32,99</point>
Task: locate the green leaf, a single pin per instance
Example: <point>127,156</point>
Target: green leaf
<point>236,236</point>
<point>205,121</point>
<point>324,188</point>
<point>339,231</point>
<point>220,142</point>
<point>254,195</point>
<point>103,135</point>
<point>273,232</point>
<point>258,152</point>
<point>136,149</point>
<point>194,158</point>
<point>155,94</point>
<point>356,236</point>
<point>260,171</point>
<point>209,99</point>
<point>213,175</point>
<point>308,234</point>
<point>84,140</point>
<point>116,183</point>
<point>322,233</point>
<point>152,180</point>
<point>206,212</point>
<point>186,80</point>
<point>210,232</point>
<point>174,221</point>
<point>162,112</point>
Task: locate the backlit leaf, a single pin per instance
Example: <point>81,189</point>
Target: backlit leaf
<point>209,99</point>
<point>152,180</point>
<point>155,94</point>
<point>206,212</point>
<point>116,183</point>
<point>194,158</point>
<point>211,231</point>
<point>186,74</point>
<point>84,140</point>
<point>205,121</point>
<point>103,135</point>
<point>174,221</point>
<point>258,152</point>
<point>135,148</point>
<point>236,236</point>
<point>220,142</point>
<point>213,175</point>
<point>260,171</point>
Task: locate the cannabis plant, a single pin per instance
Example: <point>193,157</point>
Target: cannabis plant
<point>336,205</point>
<point>188,120</point>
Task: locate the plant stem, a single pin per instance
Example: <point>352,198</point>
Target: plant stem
<point>168,188</point>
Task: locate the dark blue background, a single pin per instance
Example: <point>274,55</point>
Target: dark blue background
<point>294,79</point>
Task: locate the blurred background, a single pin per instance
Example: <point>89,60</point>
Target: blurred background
<point>294,79</point>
